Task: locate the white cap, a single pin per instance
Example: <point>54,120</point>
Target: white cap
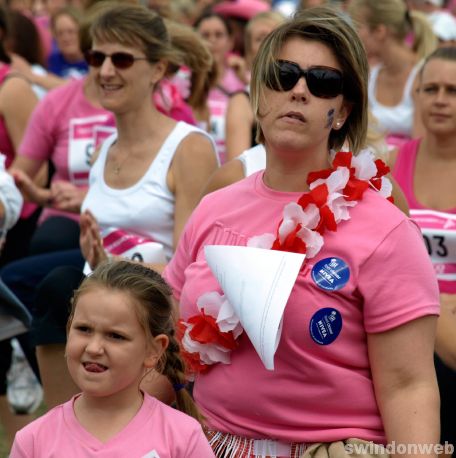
<point>438,3</point>
<point>443,25</point>
<point>10,197</point>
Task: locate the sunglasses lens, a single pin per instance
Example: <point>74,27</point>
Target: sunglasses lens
<point>289,75</point>
<point>122,60</point>
<point>324,82</point>
<point>282,76</point>
<point>95,58</point>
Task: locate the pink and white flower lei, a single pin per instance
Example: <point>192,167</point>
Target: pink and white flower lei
<point>209,337</point>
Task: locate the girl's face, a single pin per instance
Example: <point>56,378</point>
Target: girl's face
<point>297,121</point>
<point>437,97</point>
<point>107,350</point>
<point>125,89</point>
<point>66,35</point>
<point>214,31</point>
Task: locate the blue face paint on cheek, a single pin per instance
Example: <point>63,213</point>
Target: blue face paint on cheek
<point>330,118</point>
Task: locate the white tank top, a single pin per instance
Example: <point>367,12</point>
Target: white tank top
<point>143,214</point>
<point>253,159</point>
<point>398,119</point>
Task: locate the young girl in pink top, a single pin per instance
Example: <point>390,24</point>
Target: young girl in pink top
<point>120,331</point>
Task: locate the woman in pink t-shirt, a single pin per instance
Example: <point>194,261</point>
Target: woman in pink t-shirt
<point>297,356</point>
<point>120,331</point>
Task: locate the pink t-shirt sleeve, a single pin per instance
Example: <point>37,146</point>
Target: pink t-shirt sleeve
<point>22,446</point>
<point>199,447</point>
<point>38,142</point>
<point>405,288</point>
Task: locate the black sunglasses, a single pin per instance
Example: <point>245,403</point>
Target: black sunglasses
<point>121,60</point>
<point>323,82</point>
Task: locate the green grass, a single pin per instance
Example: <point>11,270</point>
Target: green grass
<point>4,450</point>
<point>3,447</point>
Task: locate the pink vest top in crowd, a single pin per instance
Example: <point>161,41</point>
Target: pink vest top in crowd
<point>438,227</point>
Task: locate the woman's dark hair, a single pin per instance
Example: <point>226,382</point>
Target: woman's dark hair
<point>208,14</point>
<point>4,32</point>
<point>24,39</point>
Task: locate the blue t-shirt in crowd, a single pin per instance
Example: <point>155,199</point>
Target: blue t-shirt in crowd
<point>58,65</point>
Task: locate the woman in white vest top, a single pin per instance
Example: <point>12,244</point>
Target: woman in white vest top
<point>386,29</point>
<point>146,179</point>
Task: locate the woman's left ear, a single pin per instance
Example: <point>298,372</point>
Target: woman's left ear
<point>342,116</point>
<point>156,350</point>
<point>159,71</point>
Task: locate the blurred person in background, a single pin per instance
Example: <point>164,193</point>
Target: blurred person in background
<point>215,30</point>
<point>238,13</point>
<point>67,59</point>
<point>383,27</point>
<point>425,168</point>
<point>240,125</point>
<point>442,21</point>
<point>60,131</point>
<point>17,101</point>
<point>25,43</point>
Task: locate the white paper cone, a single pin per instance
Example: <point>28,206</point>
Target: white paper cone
<point>258,283</point>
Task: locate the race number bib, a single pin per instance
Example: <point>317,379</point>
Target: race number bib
<point>137,248</point>
<point>439,234</point>
<point>100,134</point>
<point>217,126</point>
<point>118,242</point>
<point>81,146</point>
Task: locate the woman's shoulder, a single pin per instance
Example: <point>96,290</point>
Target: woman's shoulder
<point>224,201</point>
<point>62,94</point>
<point>376,211</point>
<point>228,194</point>
<point>191,143</point>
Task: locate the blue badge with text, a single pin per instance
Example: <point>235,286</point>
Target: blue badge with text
<point>325,326</point>
<point>331,274</point>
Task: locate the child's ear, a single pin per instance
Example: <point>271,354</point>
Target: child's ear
<point>156,349</point>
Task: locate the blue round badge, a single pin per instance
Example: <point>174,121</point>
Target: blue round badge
<point>331,274</point>
<point>325,326</point>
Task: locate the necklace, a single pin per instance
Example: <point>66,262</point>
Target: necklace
<point>209,337</point>
<point>117,166</point>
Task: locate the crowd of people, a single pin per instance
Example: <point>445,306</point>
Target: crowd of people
<point>233,224</point>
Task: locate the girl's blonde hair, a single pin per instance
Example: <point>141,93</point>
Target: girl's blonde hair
<point>152,301</point>
<point>326,26</point>
<point>395,15</point>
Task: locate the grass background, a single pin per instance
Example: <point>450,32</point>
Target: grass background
<point>3,447</point>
